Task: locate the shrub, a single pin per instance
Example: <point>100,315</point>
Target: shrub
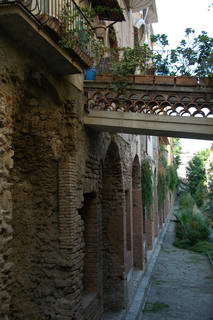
<point>192,227</point>
<point>203,247</point>
<point>186,201</point>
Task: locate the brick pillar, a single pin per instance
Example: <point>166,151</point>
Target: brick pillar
<point>156,212</point>
<point>138,254</point>
<point>150,231</point>
<point>68,214</point>
<point>70,239</point>
<point>129,231</point>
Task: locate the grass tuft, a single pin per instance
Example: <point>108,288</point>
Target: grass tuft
<point>155,306</point>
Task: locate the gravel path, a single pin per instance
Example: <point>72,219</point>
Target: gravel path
<point>181,285</point>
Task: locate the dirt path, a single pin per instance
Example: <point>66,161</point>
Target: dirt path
<point>181,285</point>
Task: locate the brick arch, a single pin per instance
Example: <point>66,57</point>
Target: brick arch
<point>138,254</point>
<point>113,230</point>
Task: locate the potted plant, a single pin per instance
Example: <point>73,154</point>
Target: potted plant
<point>132,60</point>
<point>98,50</point>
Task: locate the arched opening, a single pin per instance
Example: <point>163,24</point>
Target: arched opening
<point>113,227</point>
<point>138,255</point>
<point>88,215</point>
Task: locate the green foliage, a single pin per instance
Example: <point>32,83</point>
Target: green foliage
<point>167,176</point>
<point>162,157</point>
<point>196,176</point>
<point>192,57</point>
<point>103,9</point>
<point>203,155</point>
<point>130,60</point>
<point>209,201</point>
<point>172,177</point>
<point>204,247</point>
<point>76,31</point>
<point>192,230</point>
<point>162,176</point>
<point>186,201</point>
<point>162,187</point>
<point>200,195</point>
<point>191,227</point>
<point>161,39</point>
<point>176,149</point>
<point>147,184</point>
<point>155,306</point>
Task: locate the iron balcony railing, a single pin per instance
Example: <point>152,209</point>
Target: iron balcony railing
<point>64,17</point>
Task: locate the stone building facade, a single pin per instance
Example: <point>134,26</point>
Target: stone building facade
<point>73,237</point>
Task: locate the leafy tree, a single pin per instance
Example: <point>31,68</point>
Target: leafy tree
<point>210,6</point>
<point>209,203</point>
<point>196,175</point>
<point>192,57</point>
<point>176,149</point>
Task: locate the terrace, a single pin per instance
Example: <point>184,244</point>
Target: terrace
<point>39,25</point>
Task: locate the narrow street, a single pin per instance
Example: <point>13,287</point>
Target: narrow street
<point>181,285</point>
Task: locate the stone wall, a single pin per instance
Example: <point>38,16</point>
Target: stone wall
<point>48,261</point>
<point>6,229</point>
<point>113,230</point>
<point>67,252</point>
<point>47,191</point>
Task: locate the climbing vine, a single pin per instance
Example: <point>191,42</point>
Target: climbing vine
<point>172,177</point>
<point>147,184</point>
<point>167,176</point>
<point>162,186</point>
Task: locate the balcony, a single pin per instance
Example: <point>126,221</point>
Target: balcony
<point>39,26</point>
<point>151,105</point>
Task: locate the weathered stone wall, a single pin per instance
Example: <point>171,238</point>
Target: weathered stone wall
<point>48,262</point>
<point>6,230</point>
<point>64,254</point>
<point>47,191</point>
<point>113,230</point>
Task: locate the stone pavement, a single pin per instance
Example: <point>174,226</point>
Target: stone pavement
<point>181,285</point>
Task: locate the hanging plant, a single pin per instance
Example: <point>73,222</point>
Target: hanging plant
<point>167,176</point>
<point>162,186</point>
<point>78,31</point>
<point>147,185</point>
<point>162,176</point>
<point>172,177</point>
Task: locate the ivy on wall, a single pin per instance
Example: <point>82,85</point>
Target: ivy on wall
<point>147,184</point>
<point>167,177</point>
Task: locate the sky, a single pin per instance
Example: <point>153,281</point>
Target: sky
<point>174,16</point>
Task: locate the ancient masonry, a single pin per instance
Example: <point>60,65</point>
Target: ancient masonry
<point>6,229</point>
<point>71,220</point>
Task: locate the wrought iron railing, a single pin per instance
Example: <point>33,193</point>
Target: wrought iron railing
<point>64,17</point>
